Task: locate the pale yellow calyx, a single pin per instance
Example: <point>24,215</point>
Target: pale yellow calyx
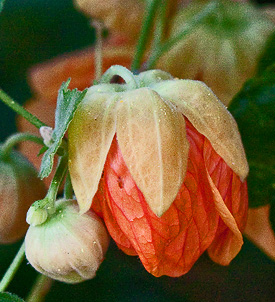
<point>150,77</point>
<point>152,138</point>
<point>210,117</point>
<point>90,136</point>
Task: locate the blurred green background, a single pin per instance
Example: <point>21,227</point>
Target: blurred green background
<point>33,31</point>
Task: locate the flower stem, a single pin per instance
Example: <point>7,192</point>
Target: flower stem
<point>16,138</point>
<point>160,24</point>
<point>189,27</point>
<point>40,289</point>
<point>98,25</point>
<point>56,182</point>
<point>13,268</point>
<point>68,189</point>
<point>151,8</point>
<point>124,73</point>
<point>20,110</point>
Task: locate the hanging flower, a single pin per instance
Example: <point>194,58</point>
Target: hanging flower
<point>223,51</point>
<point>17,180</point>
<point>174,169</point>
<point>67,247</point>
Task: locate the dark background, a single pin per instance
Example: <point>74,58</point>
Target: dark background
<point>32,31</point>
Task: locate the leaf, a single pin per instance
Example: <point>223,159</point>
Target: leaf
<point>8,297</point>
<point>254,110</point>
<point>67,102</point>
<point>1,5</point>
<point>268,57</point>
<point>42,150</point>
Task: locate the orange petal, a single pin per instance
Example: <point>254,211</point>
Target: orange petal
<point>167,245</point>
<point>231,200</point>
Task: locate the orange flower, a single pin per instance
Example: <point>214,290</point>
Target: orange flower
<point>173,170</point>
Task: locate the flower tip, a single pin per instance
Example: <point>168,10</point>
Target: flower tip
<point>36,216</point>
<point>84,207</point>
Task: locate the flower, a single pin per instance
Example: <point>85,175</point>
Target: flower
<point>19,188</point>
<point>67,247</point>
<point>223,51</point>
<point>174,169</point>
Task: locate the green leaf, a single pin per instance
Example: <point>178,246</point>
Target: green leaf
<point>268,57</point>
<point>1,5</point>
<point>254,110</point>
<point>7,297</point>
<point>42,150</point>
<point>67,102</point>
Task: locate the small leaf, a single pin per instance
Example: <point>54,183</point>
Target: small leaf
<point>8,297</point>
<point>42,150</point>
<point>152,138</point>
<point>67,102</point>
<point>254,110</point>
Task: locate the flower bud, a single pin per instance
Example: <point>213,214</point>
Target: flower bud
<point>19,188</point>
<point>222,51</point>
<point>68,247</point>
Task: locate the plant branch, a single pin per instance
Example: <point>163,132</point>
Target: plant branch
<point>40,289</point>
<point>98,25</point>
<point>189,27</point>
<point>13,268</point>
<point>56,182</point>
<point>151,8</point>
<point>16,138</point>
<point>20,110</point>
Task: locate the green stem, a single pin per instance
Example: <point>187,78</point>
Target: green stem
<point>40,289</point>
<point>20,110</point>
<point>189,27</point>
<point>56,182</point>
<point>148,20</point>
<point>124,73</point>
<point>68,189</point>
<point>160,24</point>
<point>13,268</point>
<point>16,138</point>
